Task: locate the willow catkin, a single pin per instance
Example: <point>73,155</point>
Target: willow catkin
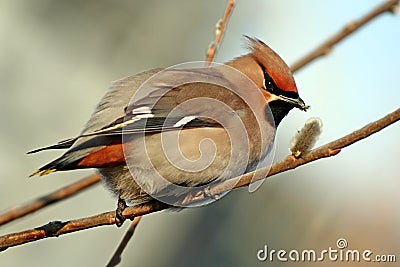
<point>305,138</point>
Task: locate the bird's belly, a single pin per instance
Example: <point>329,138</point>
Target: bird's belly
<point>189,158</point>
<point>156,163</point>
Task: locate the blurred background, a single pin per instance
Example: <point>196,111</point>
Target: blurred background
<point>57,59</point>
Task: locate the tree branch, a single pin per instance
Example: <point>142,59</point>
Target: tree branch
<point>57,228</point>
<point>326,47</point>
<point>54,197</point>
<point>219,32</point>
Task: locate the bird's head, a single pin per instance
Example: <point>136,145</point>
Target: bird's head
<point>272,76</point>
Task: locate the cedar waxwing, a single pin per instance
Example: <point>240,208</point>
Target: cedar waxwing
<point>161,132</point>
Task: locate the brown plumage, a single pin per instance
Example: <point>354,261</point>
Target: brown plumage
<point>113,138</point>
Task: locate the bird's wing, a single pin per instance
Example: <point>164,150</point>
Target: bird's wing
<point>127,110</point>
<point>64,144</point>
<point>120,111</point>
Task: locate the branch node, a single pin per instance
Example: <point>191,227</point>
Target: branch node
<point>394,9</point>
<point>292,157</point>
<point>351,26</point>
<point>51,229</point>
<point>333,152</point>
<point>218,27</point>
<point>219,32</point>
<point>212,47</point>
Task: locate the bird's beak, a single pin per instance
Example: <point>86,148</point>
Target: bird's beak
<point>297,102</point>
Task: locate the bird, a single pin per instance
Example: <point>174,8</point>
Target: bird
<point>159,133</point>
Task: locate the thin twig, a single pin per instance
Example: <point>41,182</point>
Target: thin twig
<point>333,148</point>
<point>116,258</point>
<point>219,32</point>
<point>43,201</point>
<point>327,46</point>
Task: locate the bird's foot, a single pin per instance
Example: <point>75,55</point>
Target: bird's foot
<point>119,218</point>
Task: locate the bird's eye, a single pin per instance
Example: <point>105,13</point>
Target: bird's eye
<point>269,84</point>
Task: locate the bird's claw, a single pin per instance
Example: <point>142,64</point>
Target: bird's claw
<point>119,218</point>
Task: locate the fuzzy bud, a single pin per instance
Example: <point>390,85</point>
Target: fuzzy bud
<point>305,138</point>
